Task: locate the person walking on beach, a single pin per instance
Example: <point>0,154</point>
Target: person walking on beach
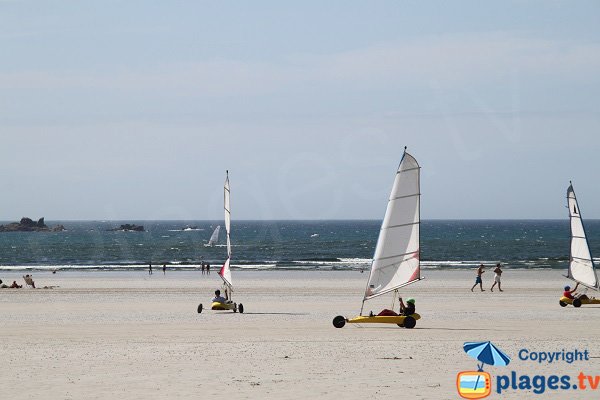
<point>478,280</point>
<point>164,269</point>
<point>497,274</point>
<point>202,267</point>
<point>150,269</point>
<point>207,268</point>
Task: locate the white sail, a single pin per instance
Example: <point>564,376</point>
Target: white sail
<point>214,238</point>
<point>396,260</point>
<point>225,271</point>
<point>581,265</point>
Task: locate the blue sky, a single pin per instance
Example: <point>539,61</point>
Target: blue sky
<point>134,109</point>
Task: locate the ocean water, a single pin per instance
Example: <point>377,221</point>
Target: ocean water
<point>288,244</point>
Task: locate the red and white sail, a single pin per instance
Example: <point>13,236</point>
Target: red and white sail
<point>225,271</point>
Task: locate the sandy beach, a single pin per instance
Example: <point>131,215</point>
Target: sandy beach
<point>106,335</point>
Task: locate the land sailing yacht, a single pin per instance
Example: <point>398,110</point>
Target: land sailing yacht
<point>225,271</point>
<point>396,261</point>
<point>581,264</point>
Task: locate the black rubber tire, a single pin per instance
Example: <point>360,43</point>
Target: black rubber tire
<point>409,322</point>
<point>577,303</point>
<point>562,303</point>
<point>241,308</point>
<point>339,321</point>
<point>200,308</point>
<point>234,307</point>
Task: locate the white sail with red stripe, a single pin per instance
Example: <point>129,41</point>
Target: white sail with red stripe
<point>225,271</point>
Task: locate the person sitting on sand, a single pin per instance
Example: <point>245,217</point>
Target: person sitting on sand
<point>220,299</point>
<point>478,278</point>
<point>15,286</point>
<point>29,280</point>
<point>570,294</point>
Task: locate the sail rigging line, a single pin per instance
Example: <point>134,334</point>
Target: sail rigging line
<point>394,256</point>
<point>579,258</point>
<point>400,225</point>
<point>407,169</point>
<point>408,195</point>
<point>396,288</point>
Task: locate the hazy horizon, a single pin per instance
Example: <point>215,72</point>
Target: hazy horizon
<point>47,221</point>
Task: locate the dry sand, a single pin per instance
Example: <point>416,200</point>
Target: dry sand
<point>124,335</point>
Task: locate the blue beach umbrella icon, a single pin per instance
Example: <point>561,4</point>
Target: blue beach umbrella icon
<point>487,353</point>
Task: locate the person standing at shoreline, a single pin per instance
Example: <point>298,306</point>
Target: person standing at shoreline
<point>207,268</point>
<point>150,269</point>
<point>202,267</point>
<point>164,269</point>
<point>478,278</point>
<point>497,276</point>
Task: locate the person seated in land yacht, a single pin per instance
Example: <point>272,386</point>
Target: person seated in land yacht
<point>220,299</point>
<point>570,294</point>
<point>405,309</point>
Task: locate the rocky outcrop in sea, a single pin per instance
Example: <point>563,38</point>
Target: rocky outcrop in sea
<point>29,225</point>
<point>129,228</point>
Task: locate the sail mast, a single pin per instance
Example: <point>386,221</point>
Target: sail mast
<point>396,262</point>
<point>225,271</point>
<point>581,264</point>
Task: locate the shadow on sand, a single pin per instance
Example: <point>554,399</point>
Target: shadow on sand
<point>261,313</point>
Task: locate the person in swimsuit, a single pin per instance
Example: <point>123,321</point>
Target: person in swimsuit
<point>478,280</point>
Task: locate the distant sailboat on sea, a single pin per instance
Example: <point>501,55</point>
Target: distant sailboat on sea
<point>581,264</point>
<point>214,238</point>
<point>396,260</point>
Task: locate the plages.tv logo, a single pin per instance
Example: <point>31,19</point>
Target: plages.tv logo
<point>478,384</point>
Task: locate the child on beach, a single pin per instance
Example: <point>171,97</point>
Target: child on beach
<point>497,274</point>
<point>478,278</point>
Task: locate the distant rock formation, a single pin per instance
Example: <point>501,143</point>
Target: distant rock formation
<point>29,225</point>
<point>129,228</point>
